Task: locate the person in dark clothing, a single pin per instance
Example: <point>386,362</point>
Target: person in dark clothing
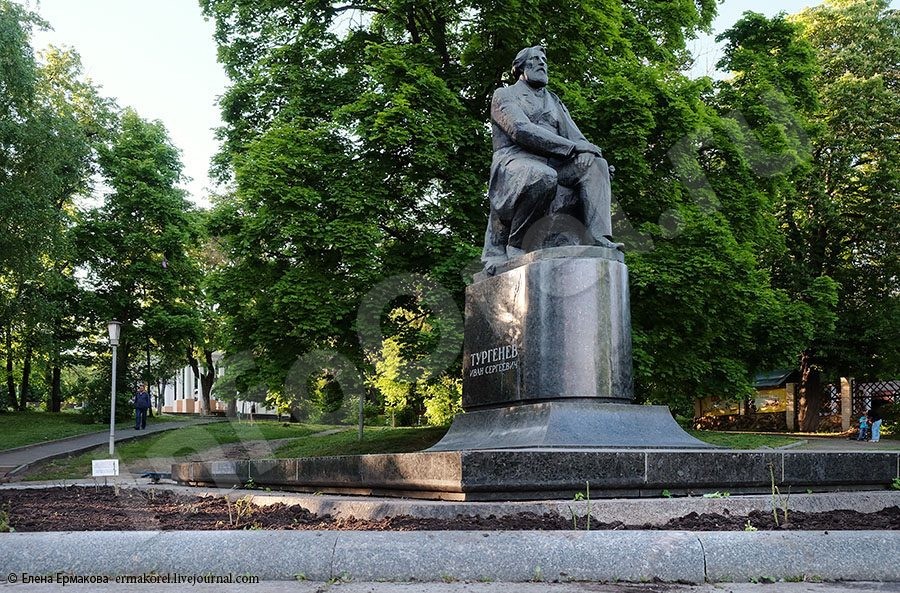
<point>141,405</point>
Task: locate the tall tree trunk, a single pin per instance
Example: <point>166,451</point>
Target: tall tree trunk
<point>25,386</point>
<point>161,395</point>
<point>231,412</point>
<point>207,378</point>
<point>56,389</point>
<point>810,393</point>
<point>10,379</point>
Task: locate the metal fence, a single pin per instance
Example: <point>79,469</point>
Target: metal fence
<point>831,403</point>
<point>869,394</point>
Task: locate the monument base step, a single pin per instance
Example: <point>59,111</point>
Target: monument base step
<point>568,423</point>
<point>537,474</point>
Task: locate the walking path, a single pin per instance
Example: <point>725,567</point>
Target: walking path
<point>15,460</point>
<point>829,443</point>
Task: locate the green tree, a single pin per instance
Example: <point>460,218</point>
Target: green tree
<point>49,121</point>
<point>357,142</point>
<point>819,92</point>
<point>135,244</point>
<point>853,230</point>
<point>208,257</point>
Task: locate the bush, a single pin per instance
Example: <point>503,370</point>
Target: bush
<point>95,393</point>
<point>443,401</point>
<point>890,413</point>
<point>371,414</point>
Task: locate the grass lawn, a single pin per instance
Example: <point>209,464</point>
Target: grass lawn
<point>181,443</point>
<point>173,444</point>
<point>18,429</point>
<point>733,440</point>
<point>405,440</point>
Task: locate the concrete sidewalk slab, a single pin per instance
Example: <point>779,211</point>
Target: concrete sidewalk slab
<point>468,587</point>
<point>636,556</point>
<point>829,555</point>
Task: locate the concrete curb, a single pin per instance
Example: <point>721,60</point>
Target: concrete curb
<point>636,556</point>
<point>799,443</point>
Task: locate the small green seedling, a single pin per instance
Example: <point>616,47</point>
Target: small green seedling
<point>4,522</point>
<point>717,494</point>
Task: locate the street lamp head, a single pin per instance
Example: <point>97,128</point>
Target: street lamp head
<point>114,328</point>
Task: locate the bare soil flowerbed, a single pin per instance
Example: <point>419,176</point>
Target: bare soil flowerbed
<point>109,509</point>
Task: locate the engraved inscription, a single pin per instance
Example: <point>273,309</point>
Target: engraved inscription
<point>494,360</point>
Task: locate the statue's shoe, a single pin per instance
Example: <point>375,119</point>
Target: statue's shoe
<point>604,242</point>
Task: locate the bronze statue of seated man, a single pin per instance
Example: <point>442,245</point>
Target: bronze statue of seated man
<point>545,175</point>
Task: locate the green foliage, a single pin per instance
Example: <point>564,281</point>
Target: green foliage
<point>890,414</point>
<point>443,400</point>
<point>135,245</point>
<point>51,121</point>
<point>94,392</point>
<point>360,153</point>
<point>402,374</point>
<point>717,494</point>
<point>817,91</point>
<point>4,521</point>
<point>856,178</point>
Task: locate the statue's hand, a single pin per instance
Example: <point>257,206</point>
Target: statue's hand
<point>583,146</point>
<point>584,160</point>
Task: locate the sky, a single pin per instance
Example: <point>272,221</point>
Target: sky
<point>159,57</point>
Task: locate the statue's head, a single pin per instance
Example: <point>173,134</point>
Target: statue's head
<point>530,65</point>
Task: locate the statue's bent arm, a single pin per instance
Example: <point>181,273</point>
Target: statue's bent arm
<point>530,136</point>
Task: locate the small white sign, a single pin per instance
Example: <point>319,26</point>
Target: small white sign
<point>218,468</point>
<point>105,467</point>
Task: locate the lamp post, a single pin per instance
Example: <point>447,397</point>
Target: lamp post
<point>114,328</point>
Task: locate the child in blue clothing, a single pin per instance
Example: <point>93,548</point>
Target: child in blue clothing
<point>863,427</point>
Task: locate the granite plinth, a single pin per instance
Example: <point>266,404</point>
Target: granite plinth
<point>569,423</point>
<point>535,474</point>
<point>554,324</point>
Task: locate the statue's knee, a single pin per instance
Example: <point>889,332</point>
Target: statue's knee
<point>599,163</point>
<point>542,187</point>
<point>548,179</point>
<point>598,167</point>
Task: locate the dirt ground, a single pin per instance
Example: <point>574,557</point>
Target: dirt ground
<point>78,508</point>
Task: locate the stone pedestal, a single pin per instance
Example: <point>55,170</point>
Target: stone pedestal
<point>547,359</point>
<point>555,325</point>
